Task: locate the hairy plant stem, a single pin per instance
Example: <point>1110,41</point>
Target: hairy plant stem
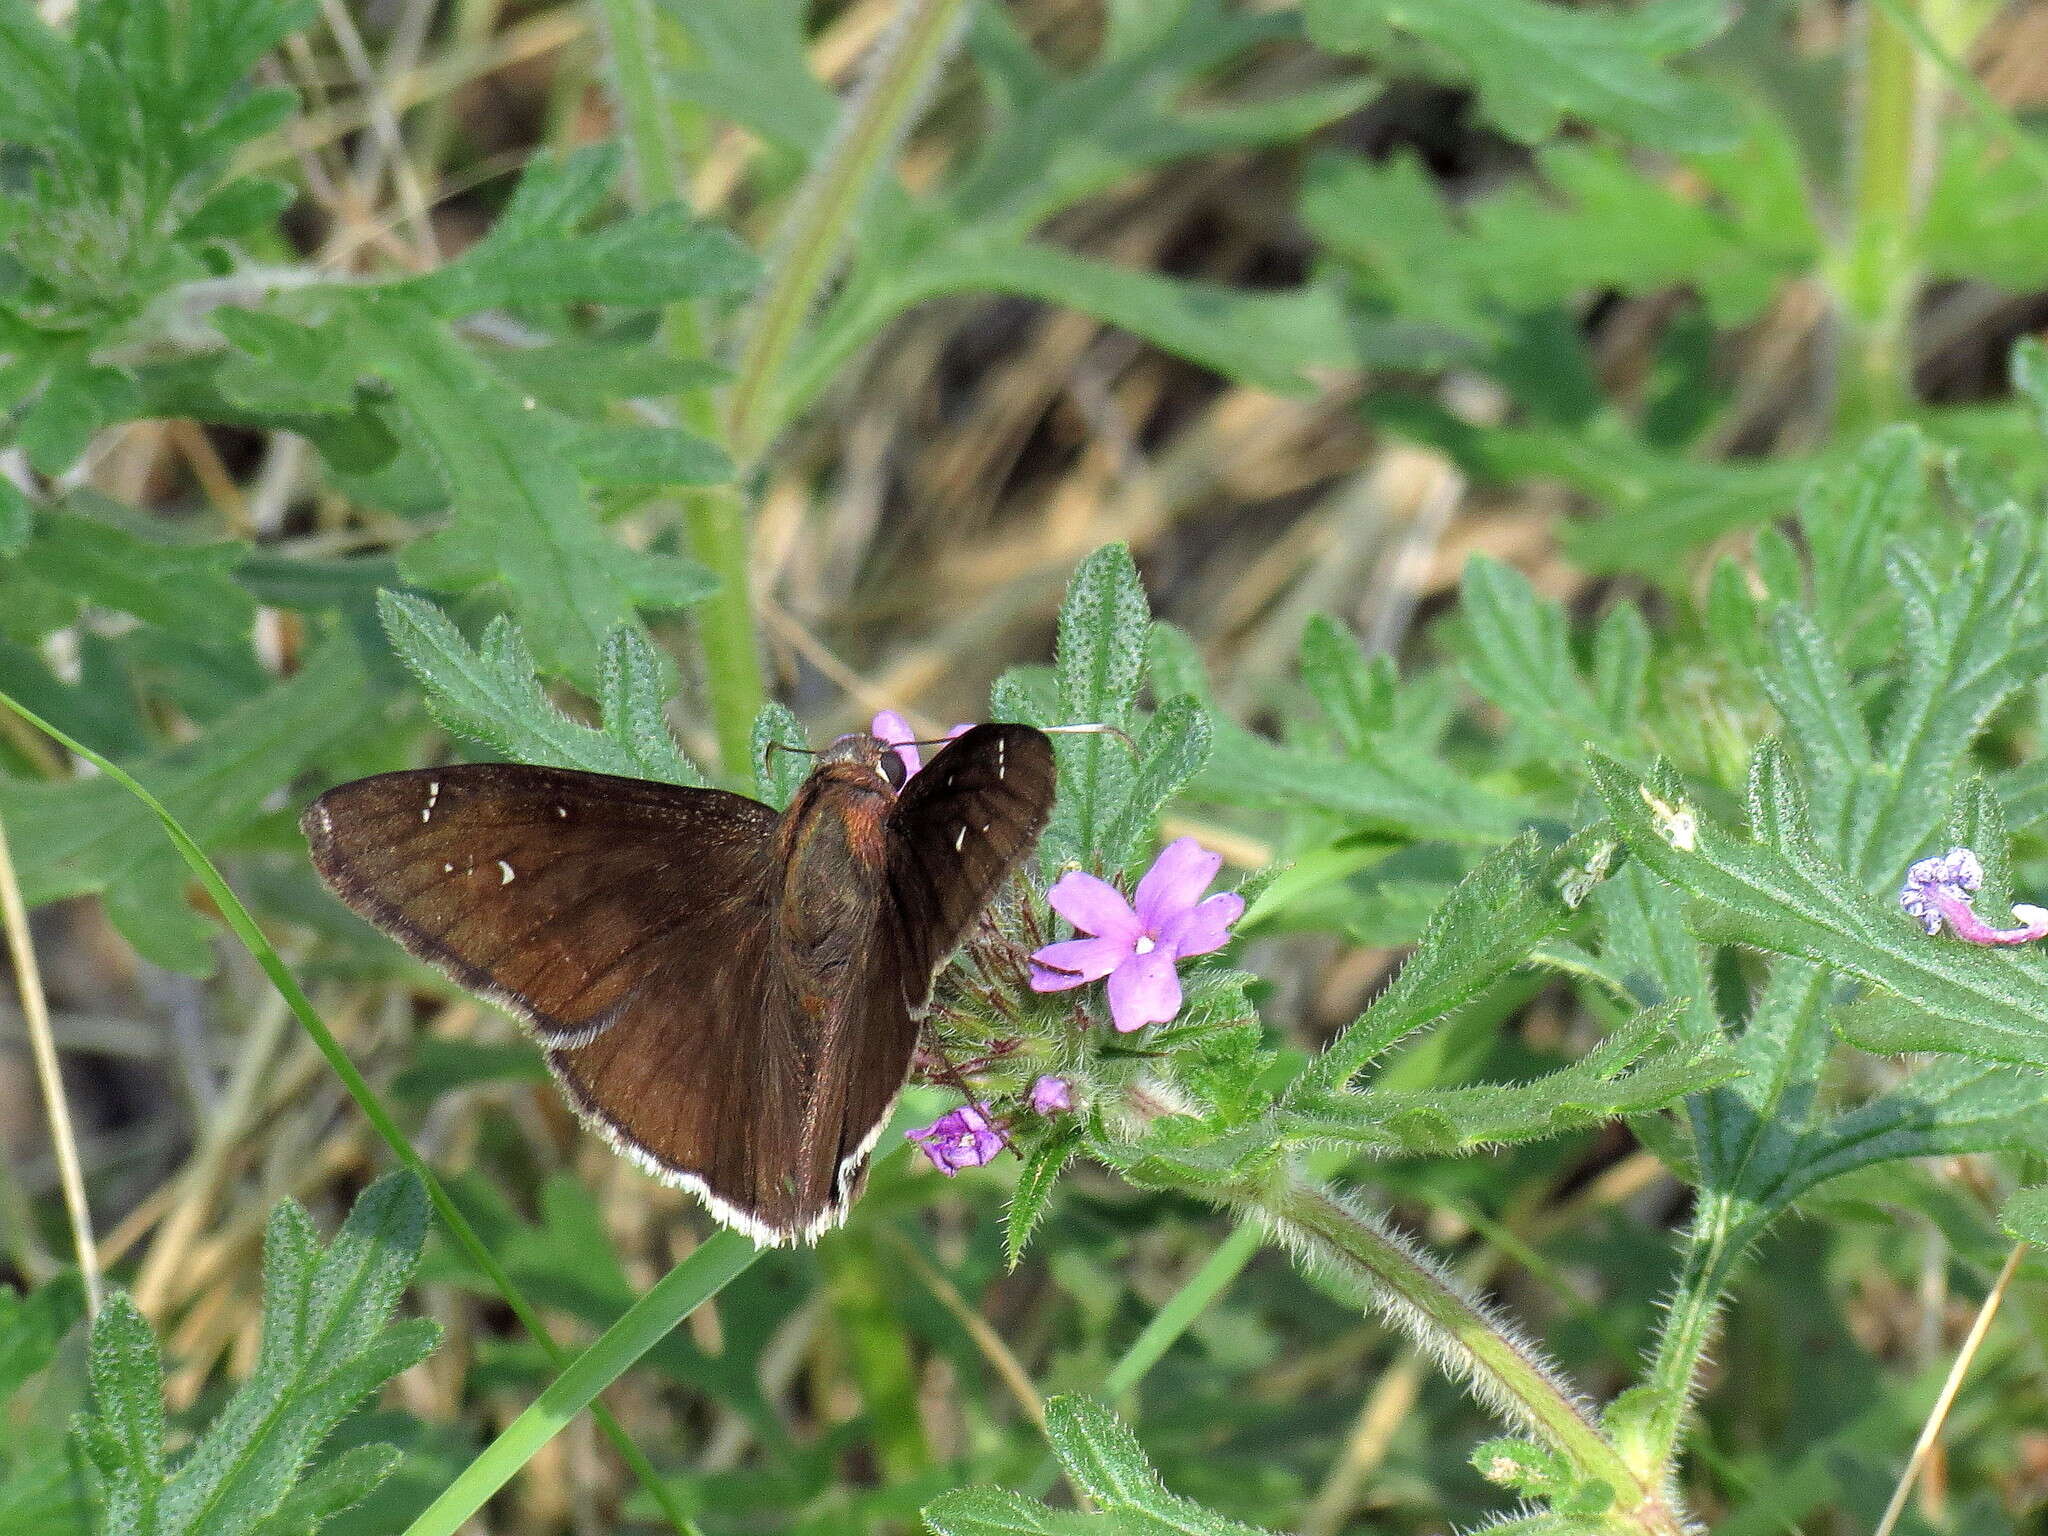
<point>1875,284</point>
<point>1344,1243</point>
<point>826,208</point>
<point>1894,136</point>
<point>1720,1236</point>
<point>715,519</point>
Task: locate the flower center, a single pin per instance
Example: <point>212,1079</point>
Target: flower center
<point>1144,946</point>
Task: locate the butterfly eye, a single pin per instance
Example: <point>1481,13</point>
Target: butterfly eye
<point>893,769</point>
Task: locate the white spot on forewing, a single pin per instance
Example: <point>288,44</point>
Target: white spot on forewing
<point>433,794</point>
<point>960,839</point>
<point>562,811</point>
<point>506,874</point>
<point>447,869</point>
<point>1002,749</point>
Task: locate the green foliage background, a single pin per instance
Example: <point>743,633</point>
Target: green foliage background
<point>742,366</point>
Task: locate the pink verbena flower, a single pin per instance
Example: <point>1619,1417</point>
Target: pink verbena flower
<point>961,1138</point>
<point>890,727</point>
<point>1136,944</point>
<point>1937,890</point>
<point>1050,1095</point>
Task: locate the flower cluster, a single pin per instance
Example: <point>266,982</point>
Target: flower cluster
<point>1938,890</point>
<point>1134,944</point>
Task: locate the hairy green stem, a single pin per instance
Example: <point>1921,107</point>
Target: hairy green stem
<point>1342,1242</point>
<point>1894,139</point>
<point>1945,52</point>
<point>1876,284</point>
<point>736,685</point>
<point>715,519</point>
<point>647,121</point>
<point>826,208</point>
<point>1714,1247</point>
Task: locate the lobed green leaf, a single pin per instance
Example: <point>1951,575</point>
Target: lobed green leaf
<point>518,513</point>
<point>1034,1191</point>
<point>327,1343</point>
<point>1356,694</point>
<point>124,1435</point>
<point>1511,901</point>
<point>999,1512</point>
<point>1102,1457</point>
<point>492,694</point>
<point>1780,893</point>
<point>1098,669</point>
<point>1639,1068</point>
<point>1516,653</point>
<point>779,743</point>
<point>2025,1215</point>
<point>1536,64</point>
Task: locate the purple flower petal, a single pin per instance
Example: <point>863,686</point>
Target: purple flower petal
<point>1175,882</point>
<point>961,1138</point>
<point>1143,990</point>
<point>1937,891</point>
<point>1076,962</point>
<point>1051,1095</point>
<point>895,730</point>
<point>1094,906</point>
<point>1203,928</point>
<point>1966,925</point>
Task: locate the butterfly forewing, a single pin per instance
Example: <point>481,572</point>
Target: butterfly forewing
<point>729,996</point>
<point>959,830</point>
<point>553,893</point>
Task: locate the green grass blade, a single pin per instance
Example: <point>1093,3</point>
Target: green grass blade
<point>1183,1307</point>
<point>646,1323</point>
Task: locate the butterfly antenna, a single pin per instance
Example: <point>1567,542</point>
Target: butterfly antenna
<point>1098,729</point>
<point>1050,730</point>
<point>768,752</point>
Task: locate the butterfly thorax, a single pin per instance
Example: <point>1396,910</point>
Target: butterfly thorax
<point>833,849</point>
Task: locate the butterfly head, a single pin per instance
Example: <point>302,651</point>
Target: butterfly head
<point>861,750</point>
